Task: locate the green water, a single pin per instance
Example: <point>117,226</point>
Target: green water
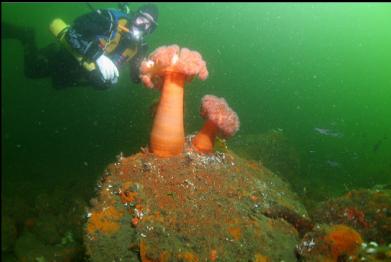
<point>294,67</point>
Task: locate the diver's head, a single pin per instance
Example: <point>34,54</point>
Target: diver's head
<point>144,20</point>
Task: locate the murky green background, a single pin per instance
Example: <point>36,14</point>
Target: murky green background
<point>291,67</point>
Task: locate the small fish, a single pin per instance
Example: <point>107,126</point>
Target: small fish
<point>327,132</point>
<point>332,163</point>
<point>355,156</point>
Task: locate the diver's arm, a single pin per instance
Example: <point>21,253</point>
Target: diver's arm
<point>82,36</point>
<point>135,63</point>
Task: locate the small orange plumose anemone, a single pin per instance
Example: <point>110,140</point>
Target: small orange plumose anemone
<point>220,119</point>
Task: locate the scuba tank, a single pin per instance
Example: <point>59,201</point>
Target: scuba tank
<point>59,29</point>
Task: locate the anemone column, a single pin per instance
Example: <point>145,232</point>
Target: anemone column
<point>168,134</point>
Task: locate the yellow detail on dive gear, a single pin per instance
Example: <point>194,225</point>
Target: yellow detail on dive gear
<point>59,28</point>
<point>129,52</point>
<point>113,43</point>
<point>111,46</point>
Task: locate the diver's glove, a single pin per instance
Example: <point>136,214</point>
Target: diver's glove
<point>107,68</point>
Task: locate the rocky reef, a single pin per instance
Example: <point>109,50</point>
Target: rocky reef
<point>193,207</point>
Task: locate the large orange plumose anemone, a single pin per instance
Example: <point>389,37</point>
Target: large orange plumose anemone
<point>168,68</point>
<point>220,120</point>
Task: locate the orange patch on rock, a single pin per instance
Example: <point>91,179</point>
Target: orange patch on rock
<point>164,256</point>
<point>253,198</point>
<point>128,197</point>
<point>213,255</point>
<point>261,258</point>
<point>135,221</point>
<point>188,257</point>
<point>254,165</point>
<point>105,221</point>
<point>143,252</point>
<point>343,241</point>
<point>235,232</point>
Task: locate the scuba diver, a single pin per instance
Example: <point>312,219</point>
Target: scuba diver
<point>92,50</point>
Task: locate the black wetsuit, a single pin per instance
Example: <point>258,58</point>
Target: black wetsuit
<point>56,62</point>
